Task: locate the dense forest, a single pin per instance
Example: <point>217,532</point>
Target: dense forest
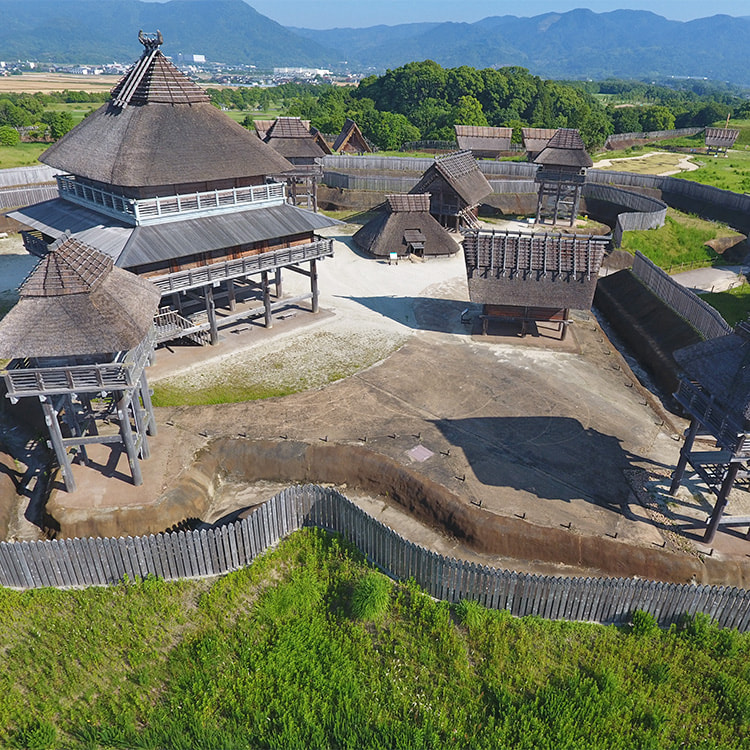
<point>423,101</point>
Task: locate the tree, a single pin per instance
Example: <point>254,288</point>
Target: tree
<point>657,118</point>
<point>59,123</point>
<point>9,136</point>
<point>627,119</point>
<point>469,112</point>
<point>387,130</point>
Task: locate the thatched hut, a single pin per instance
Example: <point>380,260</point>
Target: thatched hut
<point>351,141</point>
<point>406,227</point>
<point>456,186</point>
<point>87,358</point>
<point>171,188</point>
<point>530,277</point>
<point>715,393</point>
<point>483,142</point>
<point>561,175</point>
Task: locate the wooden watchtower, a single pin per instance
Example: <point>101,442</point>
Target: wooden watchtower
<point>79,340</point>
<point>532,277</point>
<point>456,186</point>
<point>715,392</point>
<point>561,176</point>
<point>171,188</point>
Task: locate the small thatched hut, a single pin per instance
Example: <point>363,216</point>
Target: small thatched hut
<point>291,137</point>
<point>82,332</point>
<point>456,186</point>
<point>351,141</point>
<point>405,227</point>
<point>535,140</point>
<point>483,142</point>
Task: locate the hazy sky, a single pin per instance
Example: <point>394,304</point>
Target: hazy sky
<point>326,14</point>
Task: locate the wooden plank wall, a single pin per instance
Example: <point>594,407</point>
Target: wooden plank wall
<point>73,563</point>
<point>704,318</point>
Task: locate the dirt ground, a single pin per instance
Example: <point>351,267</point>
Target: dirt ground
<point>551,434</point>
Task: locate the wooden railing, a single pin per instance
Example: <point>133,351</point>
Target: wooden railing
<point>233,269</point>
<point>70,563</point>
<point>152,210</point>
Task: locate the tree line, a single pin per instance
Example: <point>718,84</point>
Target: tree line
<point>423,101</point>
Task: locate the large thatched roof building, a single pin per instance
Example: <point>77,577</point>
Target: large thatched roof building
<point>164,184</point>
<point>456,186</point>
<point>405,227</point>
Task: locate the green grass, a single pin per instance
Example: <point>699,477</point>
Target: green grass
<point>680,241</point>
<point>734,304</point>
<point>172,393</point>
<point>274,657</point>
<point>22,155</point>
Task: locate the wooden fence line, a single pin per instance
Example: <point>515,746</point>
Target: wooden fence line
<point>68,563</point>
<point>704,318</point>
<point>651,135</point>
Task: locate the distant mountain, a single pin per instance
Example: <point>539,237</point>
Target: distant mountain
<point>98,31</point>
<point>576,44</point>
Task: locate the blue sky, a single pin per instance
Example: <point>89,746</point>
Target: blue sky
<point>325,14</point>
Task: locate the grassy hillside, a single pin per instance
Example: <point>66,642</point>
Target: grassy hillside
<point>309,648</point>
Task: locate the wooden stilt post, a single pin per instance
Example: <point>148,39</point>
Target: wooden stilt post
<point>721,502</point>
<point>126,433</point>
<point>266,300</point>
<point>277,281</point>
<point>75,426</point>
<point>231,295</point>
<point>50,418</point>
<point>315,194</point>
<point>141,424</point>
<point>314,285</point>
<point>684,454</point>
<point>147,405</point>
<point>211,313</point>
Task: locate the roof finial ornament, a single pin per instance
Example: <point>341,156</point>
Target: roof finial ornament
<point>150,41</point>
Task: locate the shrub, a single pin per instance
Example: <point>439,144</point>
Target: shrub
<point>643,623</point>
<point>469,613</point>
<point>9,136</point>
<point>371,596</point>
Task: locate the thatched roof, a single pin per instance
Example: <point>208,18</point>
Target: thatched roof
<point>351,140</point>
<point>721,366</point>
<point>291,137</point>
<point>460,173</point>
<point>323,144</point>
<point>161,129</point>
<point>76,302</point>
<point>535,140</point>
<point>721,137</point>
<point>405,226</point>
<point>533,269</point>
<point>565,149</point>
<point>134,246</point>
<point>483,141</point>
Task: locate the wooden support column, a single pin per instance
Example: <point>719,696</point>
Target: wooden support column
<point>721,502</point>
<point>211,312</point>
<point>141,424</point>
<point>277,281</point>
<point>177,301</point>
<point>314,285</point>
<point>76,429</point>
<point>126,433</point>
<point>266,300</point>
<point>684,454</point>
<point>50,418</point>
<point>231,295</point>
<point>315,194</point>
<point>147,405</point>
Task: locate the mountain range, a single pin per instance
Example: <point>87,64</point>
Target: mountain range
<point>575,44</point>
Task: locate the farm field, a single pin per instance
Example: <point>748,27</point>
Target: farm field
<point>47,82</point>
<point>310,648</point>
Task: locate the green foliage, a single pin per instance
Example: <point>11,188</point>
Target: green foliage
<point>642,623</point>
<point>371,596</point>
<point>270,656</point>
<point>9,136</point>
<point>734,304</point>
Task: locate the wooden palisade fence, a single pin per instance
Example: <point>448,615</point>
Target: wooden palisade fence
<point>70,563</point>
<point>704,318</point>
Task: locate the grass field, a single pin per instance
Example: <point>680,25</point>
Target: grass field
<point>48,82</point>
<point>734,304</point>
<point>22,155</point>
<point>308,648</point>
